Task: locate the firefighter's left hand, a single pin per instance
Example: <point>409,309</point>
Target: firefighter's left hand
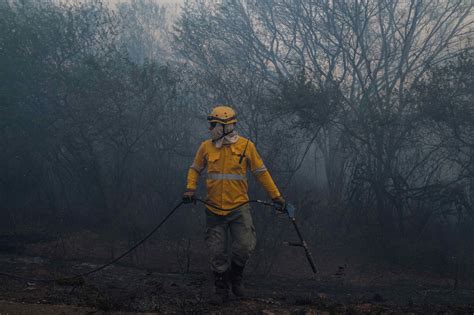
<point>189,197</point>
<point>281,202</point>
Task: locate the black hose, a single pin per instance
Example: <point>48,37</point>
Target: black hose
<point>81,275</point>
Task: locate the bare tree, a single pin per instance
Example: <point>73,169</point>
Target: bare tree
<point>371,52</point>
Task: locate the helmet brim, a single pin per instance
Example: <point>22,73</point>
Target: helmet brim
<point>227,121</point>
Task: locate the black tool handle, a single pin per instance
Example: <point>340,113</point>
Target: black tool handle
<point>305,246</point>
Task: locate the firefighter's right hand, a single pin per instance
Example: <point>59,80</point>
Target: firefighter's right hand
<point>280,202</point>
<point>188,196</point>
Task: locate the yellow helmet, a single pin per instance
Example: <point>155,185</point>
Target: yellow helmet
<point>222,115</point>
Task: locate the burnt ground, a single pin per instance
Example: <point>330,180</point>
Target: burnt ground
<point>152,282</point>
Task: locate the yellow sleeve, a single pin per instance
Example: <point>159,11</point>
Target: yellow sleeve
<point>199,164</point>
<point>257,167</point>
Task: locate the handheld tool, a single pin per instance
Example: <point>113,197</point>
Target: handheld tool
<point>290,211</point>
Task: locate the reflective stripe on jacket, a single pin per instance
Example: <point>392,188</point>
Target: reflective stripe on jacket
<point>227,178</point>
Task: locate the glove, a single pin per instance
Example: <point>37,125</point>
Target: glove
<point>188,196</point>
<point>281,202</point>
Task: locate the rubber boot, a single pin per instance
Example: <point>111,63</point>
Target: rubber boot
<point>221,294</point>
<point>237,280</point>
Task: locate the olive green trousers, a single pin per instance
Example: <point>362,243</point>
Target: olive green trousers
<point>230,236</point>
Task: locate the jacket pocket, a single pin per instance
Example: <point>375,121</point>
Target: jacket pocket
<point>213,162</point>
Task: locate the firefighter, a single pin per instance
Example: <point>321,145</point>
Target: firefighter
<point>227,156</point>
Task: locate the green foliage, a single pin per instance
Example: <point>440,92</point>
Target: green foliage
<point>446,96</point>
<point>315,106</point>
<point>84,129</point>
<point>445,99</point>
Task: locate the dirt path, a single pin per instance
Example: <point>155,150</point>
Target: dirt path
<point>7,307</point>
<point>120,289</point>
<point>10,308</point>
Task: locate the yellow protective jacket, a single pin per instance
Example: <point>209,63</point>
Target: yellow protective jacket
<point>227,178</point>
